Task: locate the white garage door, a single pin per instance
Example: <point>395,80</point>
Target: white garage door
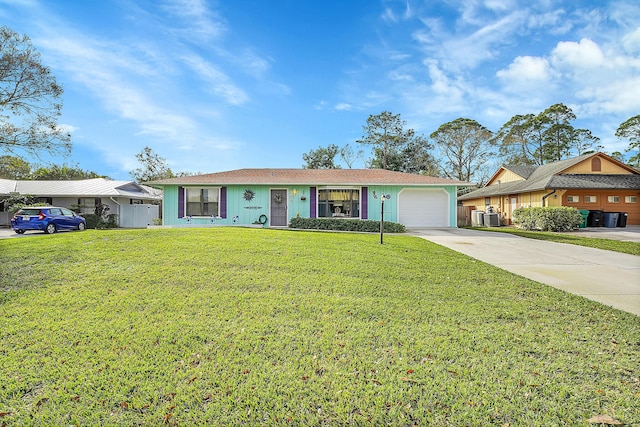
<point>423,207</point>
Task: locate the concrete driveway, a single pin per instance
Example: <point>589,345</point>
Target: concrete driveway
<point>6,232</point>
<point>608,277</point>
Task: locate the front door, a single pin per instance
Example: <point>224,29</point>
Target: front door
<point>279,208</point>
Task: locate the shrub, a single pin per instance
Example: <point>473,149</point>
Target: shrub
<point>92,220</point>
<point>341,224</point>
<point>15,202</point>
<point>100,219</point>
<point>559,218</point>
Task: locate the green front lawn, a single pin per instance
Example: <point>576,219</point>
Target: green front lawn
<point>230,326</point>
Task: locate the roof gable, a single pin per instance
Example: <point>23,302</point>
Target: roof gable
<point>609,165</point>
<point>511,173</point>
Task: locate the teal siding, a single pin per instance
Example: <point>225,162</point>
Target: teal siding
<point>244,212</point>
<point>248,212</point>
<point>390,205</point>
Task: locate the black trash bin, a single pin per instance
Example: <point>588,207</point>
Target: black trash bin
<point>622,219</point>
<point>610,219</point>
<point>594,219</point>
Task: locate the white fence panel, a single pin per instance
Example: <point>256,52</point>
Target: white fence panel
<point>138,216</point>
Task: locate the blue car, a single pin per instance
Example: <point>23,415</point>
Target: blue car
<point>48,219</point>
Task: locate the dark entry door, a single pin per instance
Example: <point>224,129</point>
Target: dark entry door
<point>279,208</point>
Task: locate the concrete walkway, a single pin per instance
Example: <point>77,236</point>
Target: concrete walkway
<point>608,277</point>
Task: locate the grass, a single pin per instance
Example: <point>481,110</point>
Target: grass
<point>626,247</point>
<point>231,326</point>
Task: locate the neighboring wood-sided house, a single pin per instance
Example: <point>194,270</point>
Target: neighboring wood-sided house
<point>590,182</point>
<point>136,205</point>
<point>273,196</point>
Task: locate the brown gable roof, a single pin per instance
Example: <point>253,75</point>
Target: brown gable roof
<point>309,177</point>
<point>551,176</point>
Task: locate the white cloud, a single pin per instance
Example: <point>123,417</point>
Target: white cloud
<point>389,15</point>
<point>617,96</point>
<point>343,106</point>
<point>555,22</point>
<point>499,5</point>
<point>216,81</point>
<point>113,77</point>
<point>585,54</point>
<point>631,41</point>
<point>70,129</point>
<point>526,70</point>
<point>199,21</point>
<point>459,50</point>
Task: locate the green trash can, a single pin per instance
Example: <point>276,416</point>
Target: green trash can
<point>585,215</point>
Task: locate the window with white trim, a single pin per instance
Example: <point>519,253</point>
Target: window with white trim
<point>613,199</point>
<point>338,203</point>
<point>573,199</point>
<point>202,201</point>
<point>630,199</point>
<point>590,199</point>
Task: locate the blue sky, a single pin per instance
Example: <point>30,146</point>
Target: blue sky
<point>220,85</point>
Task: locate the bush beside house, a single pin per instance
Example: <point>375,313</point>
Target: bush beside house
<point>558,218</point>
<point>369,226</point>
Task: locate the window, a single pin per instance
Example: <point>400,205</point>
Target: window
<point>590,199</point>
<point>613,199</point>
<point>88,204</point>
<point>202,201</point>
<point>596,165</point>
<point>630,199</point>
<point>339,203</point>
<point>44,200</point>
<point>573,199</point>
<point>487,201</point>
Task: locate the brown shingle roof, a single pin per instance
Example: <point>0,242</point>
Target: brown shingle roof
<point>551,176</point>
<point>310,177</point>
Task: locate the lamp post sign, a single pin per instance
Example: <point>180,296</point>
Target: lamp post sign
<point>383,197</point>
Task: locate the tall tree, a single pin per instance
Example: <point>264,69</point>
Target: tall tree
<point>582,141</point>
<point>417,158</point>
<point>349,155</point>
<point>153,167</point>
<point>12,167</point>
<point>62,172</point>
<point>30,100</point>
<point>465,145</point>
<point>558,131</point>
<point>515,140</point>
<point>414,157</point>
<point>322,158</point>
<point>545,137</point>
<point>387,134</point>
<point>630,130</point>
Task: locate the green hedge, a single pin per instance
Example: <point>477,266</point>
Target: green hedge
<point>559,218</point>
<point>94,221</point>
<point>341,224</point>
